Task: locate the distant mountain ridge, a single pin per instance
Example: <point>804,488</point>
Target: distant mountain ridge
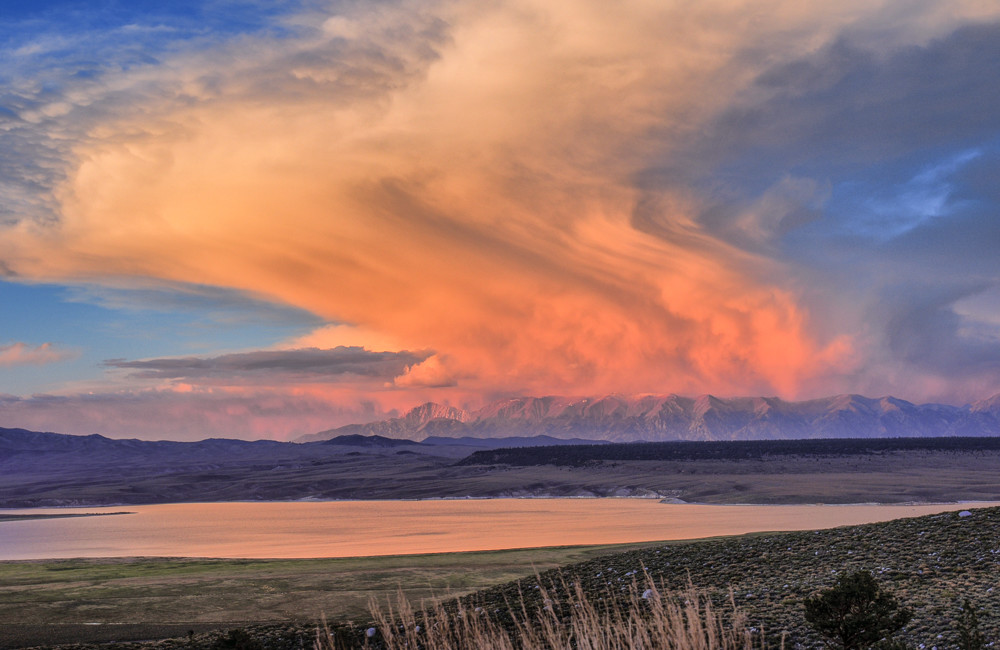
<point>357,440</point>
<point>653,418</point>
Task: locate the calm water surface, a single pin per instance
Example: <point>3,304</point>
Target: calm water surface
<point>358,528</point>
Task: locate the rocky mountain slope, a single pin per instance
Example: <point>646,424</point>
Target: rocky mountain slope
<point>672,417</point>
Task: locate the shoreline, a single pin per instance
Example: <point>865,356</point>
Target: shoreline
<point>8,517</point>
<point>16,511</point>
<point>349,548</point>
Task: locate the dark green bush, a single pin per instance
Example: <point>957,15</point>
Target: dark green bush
<point>237,639</point>
<point>857,613</point>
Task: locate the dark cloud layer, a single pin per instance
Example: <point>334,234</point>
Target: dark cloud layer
<point>848,108</point>
<point>871,173</point>
<point>338,364</point>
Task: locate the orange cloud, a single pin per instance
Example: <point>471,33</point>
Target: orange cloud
<point>470,188</point>
<point>432,372</point>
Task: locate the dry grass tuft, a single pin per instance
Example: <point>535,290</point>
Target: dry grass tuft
<point>644,618</point>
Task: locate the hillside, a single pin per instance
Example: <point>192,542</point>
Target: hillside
<point>931,563</point>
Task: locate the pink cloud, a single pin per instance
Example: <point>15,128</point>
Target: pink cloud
<point>22,354</point>
<point>431,372</point>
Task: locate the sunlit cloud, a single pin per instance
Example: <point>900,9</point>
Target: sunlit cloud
<point>22,354</point>
<point>432,372</point>
<point>343,334</point>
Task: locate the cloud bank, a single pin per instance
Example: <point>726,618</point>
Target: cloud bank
<point>731,197</point>
<point>191,414</point>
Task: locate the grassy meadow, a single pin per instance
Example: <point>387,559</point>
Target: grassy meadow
<point>61,600</point>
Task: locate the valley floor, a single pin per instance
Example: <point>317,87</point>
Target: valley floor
<point>123,599</point>
<point>931,563</point>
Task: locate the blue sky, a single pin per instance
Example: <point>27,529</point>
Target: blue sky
<point>84,40</point>
<point>95,324</point>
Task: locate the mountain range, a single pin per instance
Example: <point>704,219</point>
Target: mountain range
<point>382,461</point>
<point>672,417</point>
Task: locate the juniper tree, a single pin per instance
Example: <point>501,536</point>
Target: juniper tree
<point>856,613</point>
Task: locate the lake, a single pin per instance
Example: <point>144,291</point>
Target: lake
<point>362,528</point>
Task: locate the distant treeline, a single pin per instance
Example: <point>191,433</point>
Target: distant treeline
<point>577,455</point>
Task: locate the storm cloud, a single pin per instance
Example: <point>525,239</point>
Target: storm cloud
<point>728,197</point>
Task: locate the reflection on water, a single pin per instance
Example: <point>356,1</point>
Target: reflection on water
<point>357,528</point>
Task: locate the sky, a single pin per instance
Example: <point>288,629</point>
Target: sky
<point>262,219</point>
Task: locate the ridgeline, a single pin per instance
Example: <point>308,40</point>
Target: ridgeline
<point>579,455</point>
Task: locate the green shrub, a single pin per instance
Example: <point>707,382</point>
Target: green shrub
<point>237,639</point>
<point>970,637</point>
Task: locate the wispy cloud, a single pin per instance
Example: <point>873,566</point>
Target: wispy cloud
<point>217,305</point>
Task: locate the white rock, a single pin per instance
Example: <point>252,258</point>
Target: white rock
<point>965,513</point>
<point>370,632</point>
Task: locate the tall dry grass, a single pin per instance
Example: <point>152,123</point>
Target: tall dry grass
<point>645,618</point>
